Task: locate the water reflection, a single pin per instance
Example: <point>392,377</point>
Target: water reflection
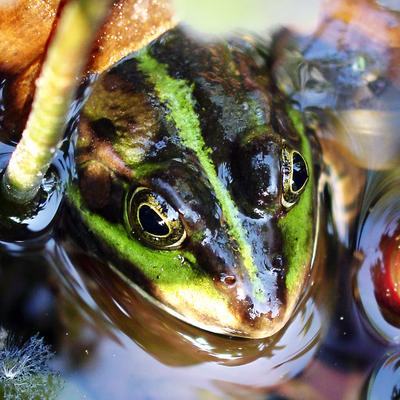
<point>384,382</point>
<point>349,70</point>
<point>377,278</point>
<point>20,224</point>
<point>116,306</point>
<point>112,343</point>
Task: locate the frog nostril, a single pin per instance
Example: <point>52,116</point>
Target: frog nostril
<point>229,280</point>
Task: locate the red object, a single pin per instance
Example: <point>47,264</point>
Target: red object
<point>386,273</point>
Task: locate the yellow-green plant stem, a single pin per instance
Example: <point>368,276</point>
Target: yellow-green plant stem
<point>55,89</point>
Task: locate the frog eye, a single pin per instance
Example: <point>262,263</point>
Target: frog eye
<point>295,176</point>
<point>150,218</point>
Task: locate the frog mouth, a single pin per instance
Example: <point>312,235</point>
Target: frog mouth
<point>239,316</point>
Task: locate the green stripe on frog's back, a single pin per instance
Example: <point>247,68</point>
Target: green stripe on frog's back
<point>177,96</point>
<point>298,242</point>
<point>229,86</point>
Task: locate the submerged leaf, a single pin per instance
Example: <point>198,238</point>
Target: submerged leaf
<point>25,371</point>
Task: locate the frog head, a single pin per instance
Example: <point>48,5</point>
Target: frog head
<point>197,182</point>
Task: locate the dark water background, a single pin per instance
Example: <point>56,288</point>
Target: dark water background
<point>110,343</point>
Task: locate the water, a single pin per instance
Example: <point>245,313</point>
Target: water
<point>378,241</point>
<point>110,342</point>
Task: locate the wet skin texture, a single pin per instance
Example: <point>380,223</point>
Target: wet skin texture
<point>198,182</point>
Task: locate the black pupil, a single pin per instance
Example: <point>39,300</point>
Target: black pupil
<point>151,222</point>
<point>299,172</point>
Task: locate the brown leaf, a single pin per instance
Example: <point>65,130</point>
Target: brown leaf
<point>18,98</point>
<point>131,25</point>
<point>25,27</point>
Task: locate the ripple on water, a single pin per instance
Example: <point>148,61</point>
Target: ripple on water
<point>384,382</point>
<point>132,331</point>
<point>377,280</point>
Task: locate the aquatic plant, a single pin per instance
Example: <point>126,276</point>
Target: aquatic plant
<point>24,369</point>
<point>55,90</point>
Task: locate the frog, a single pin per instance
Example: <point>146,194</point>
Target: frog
<point>197,181</point>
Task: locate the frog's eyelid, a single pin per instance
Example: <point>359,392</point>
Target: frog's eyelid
<point>179,242</point>
<point>137,190</point>
<point>286,204</point>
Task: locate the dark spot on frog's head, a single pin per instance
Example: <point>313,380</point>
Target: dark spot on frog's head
<point>103,128</point>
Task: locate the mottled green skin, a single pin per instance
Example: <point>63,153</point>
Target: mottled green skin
<point>202,126</point>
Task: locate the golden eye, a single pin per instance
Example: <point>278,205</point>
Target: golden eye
<point>295,176</point>
<point>150,218</point>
